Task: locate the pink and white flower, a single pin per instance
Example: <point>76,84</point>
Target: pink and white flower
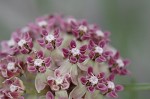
<point>50,40</point>
<point>59,81</point>
<point>38,62</point>
<point>75,54</point>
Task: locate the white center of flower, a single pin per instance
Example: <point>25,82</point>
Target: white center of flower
<point>25,29</point>
<point>50,38</point>
<point>98,50</point>
<point>120,63</point>
<point>11,42</point>
<point>75,51</point>
<point>93,80</point>
<point>69,20</point>
<point>22,42</point>
<point>83,28</point>
<point>13,88</point>
<point>11,66</point>
<point>38,62</point>
<point>99,33</point>
<point>111,85</point>
<point>59,80</point>
<point>42,23</point>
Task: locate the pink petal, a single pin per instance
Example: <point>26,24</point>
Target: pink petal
<point>49,95</point>
<point>90,71</point>
<point>73,44</point>
<point>41,42</point>
<point>44,32</point>
<point>42,69</point>
<point>101,87</point>
<point>32,69</point>
<point>40,54</point>
<point>83,80</point>
<point>100,59</point>
<point>83,49</point>
<point>30,59</point>
<point>65,52</point>
<point>112,94</point>
<point>119,88</point>
<point>102,43</point>
<point>91,89</point>
<point>73,59</point>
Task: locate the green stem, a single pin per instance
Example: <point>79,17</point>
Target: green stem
<point>137,87</point>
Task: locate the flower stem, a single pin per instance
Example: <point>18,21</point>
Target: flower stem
<point>137,87</point>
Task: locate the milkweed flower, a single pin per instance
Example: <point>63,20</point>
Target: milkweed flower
<point>12,89</point>
<point>65,58</point>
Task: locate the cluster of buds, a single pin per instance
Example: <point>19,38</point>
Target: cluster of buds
<point>69,59</point>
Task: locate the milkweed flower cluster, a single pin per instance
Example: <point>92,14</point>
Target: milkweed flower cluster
<point>66,58</point>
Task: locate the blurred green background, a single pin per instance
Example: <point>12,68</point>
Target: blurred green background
<point>128,20</point>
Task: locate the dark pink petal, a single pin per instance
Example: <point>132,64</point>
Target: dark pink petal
<point>50,82</point>
<point>91,89</point>
<point>102,43</point>
<point>44,32</point>
<point>73,44</point>
<point>75,32</point>
<point>119,88</point>
<point>32,69</point>
<point>65,52</point>
<point>49,95</point>
<point>30,60</point>
<point>100,59</point>
<point>107,53</point>
<point>83,49</point>
<point>126,62</point>
<point>85,37</point>
<point>47,61</point>
<point>101,87</point>
<point>73,59</point>
<point>24,51</point>
<point>117,55</point>
<point>83,80</point>
<point>30,44</point>
<point>40,54</point>
<point>92,54</point>
<point>101,75</point>
<point>49,46</point>
<point>56,33</point>
<point>82,58</point>
<point>113,94</point>
<point>124,72</point>
<point>111,77</point>
<point>41,42</point>
<point>90,71</point>
<point>59,42</point>
<point>91,45</point>
<point>42,69</point>
<point>27,36</point>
